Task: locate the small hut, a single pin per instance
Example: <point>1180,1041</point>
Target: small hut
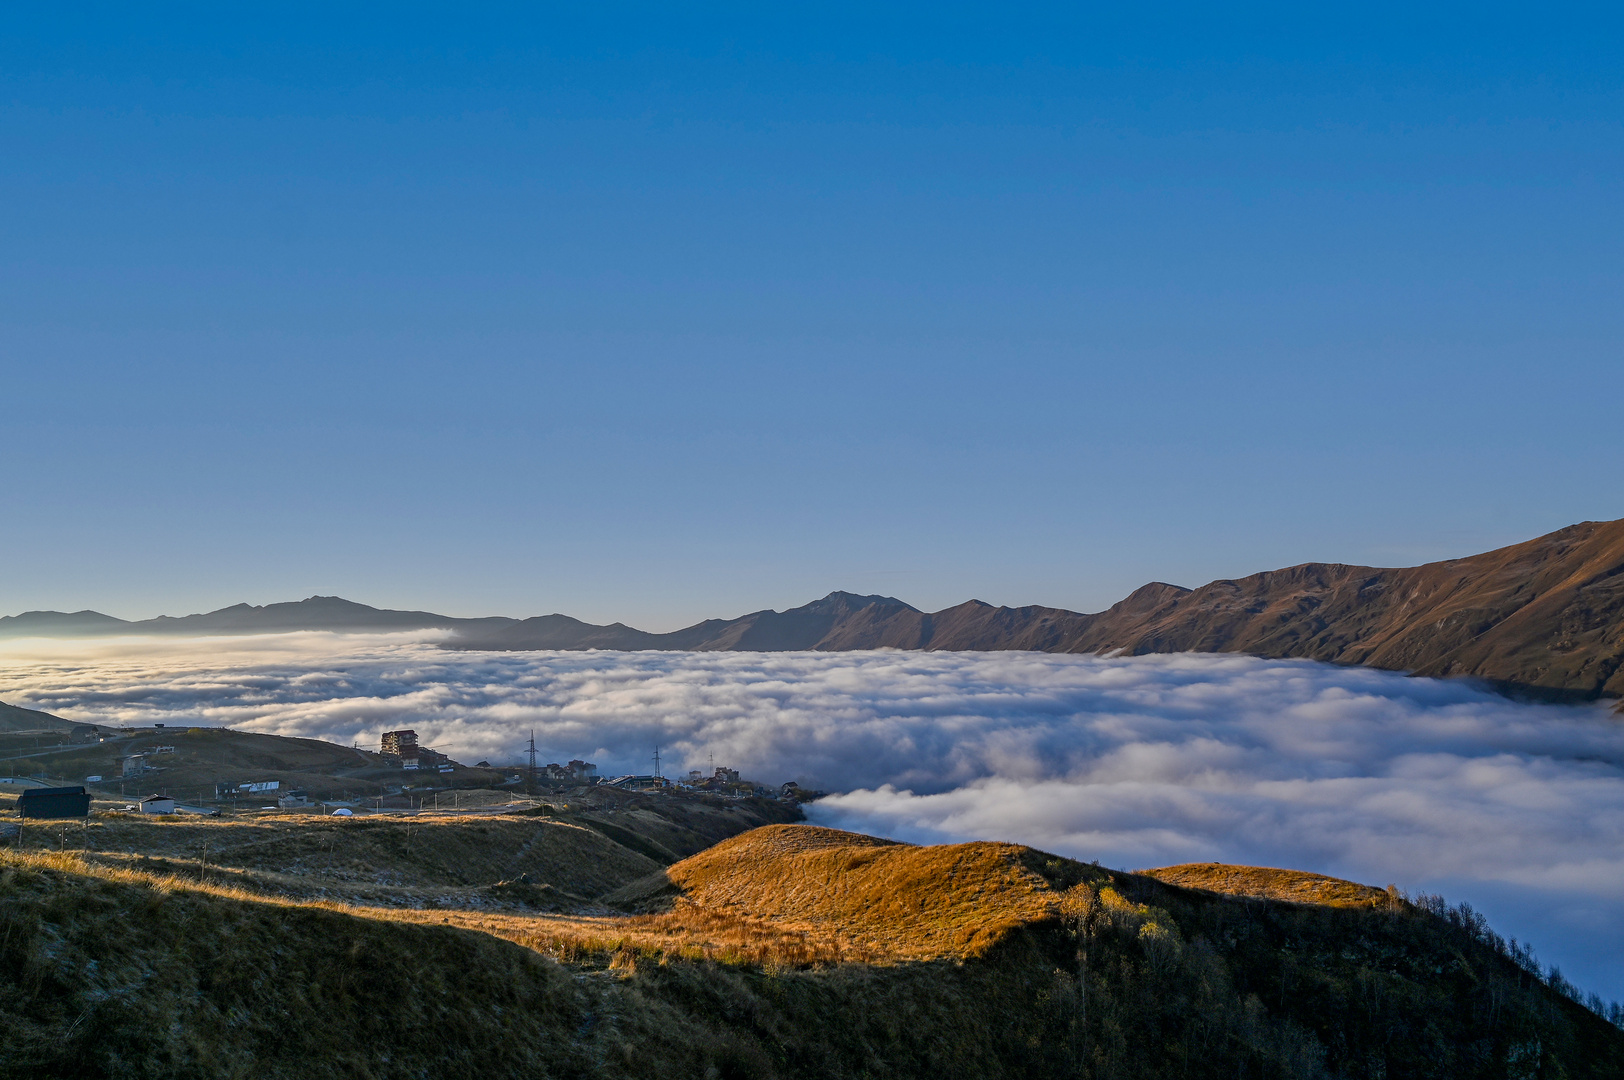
<point>157,804</point>
<point>53,802</point>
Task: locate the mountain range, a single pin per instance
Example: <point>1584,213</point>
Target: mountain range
<point>1541,619</point>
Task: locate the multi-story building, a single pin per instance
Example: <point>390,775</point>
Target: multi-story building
<point>401,744</point>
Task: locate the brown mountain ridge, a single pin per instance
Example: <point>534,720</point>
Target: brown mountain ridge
<point>1542,619</point>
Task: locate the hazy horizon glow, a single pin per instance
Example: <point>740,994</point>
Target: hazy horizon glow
<point>1433,785</point>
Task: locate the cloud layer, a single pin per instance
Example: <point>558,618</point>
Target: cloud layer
<point>1136,761</point>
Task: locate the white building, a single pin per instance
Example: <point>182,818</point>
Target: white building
<point>157,804</point>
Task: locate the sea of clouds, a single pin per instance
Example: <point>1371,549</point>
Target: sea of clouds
<point>1134,761</point>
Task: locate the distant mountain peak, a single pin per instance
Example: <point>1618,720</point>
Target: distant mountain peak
<point>840,601</point>
<point>1543,618</point>
<point>59,624</point>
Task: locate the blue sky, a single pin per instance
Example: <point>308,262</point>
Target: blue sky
<point>653,316</point>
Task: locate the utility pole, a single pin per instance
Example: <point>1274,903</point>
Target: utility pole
<point>532,753</point>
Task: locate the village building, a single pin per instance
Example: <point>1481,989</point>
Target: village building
<point>157,804</point>
<point>53,802</point>
<point>576,772</point>
<point>403,747</point>
<point>400,744</point>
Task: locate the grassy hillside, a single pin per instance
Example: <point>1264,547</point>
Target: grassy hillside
<point>1272,884</point>
<point>786,951</point>
<point>203,757</point>
<point>115,978</point>
<point>875,897</point>
<point>556,856</point>
<point>668,826</point>
<point>14,719</point>
<point>394,861</point>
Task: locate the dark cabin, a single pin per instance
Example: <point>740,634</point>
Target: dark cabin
<point>53,802</point>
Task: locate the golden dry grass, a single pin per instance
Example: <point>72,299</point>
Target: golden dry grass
<point>123,970</point>
<point>417,860</point>
<point>868,897</point>
<point>604,940</point>
<point>1296,886</point>
<point>622,941</point>
<point>777,896</point>
<point>781,895</point>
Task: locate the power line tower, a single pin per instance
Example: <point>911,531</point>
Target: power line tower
<point>532,753</point>
<point>656,760</point>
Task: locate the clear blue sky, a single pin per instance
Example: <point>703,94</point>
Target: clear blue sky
<point>651,316</point>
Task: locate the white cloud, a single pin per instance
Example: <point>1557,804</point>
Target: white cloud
<point>1134,761</point>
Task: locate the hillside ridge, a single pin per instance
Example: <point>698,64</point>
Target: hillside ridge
<point>1541,619</point>
<point>140,947</point>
